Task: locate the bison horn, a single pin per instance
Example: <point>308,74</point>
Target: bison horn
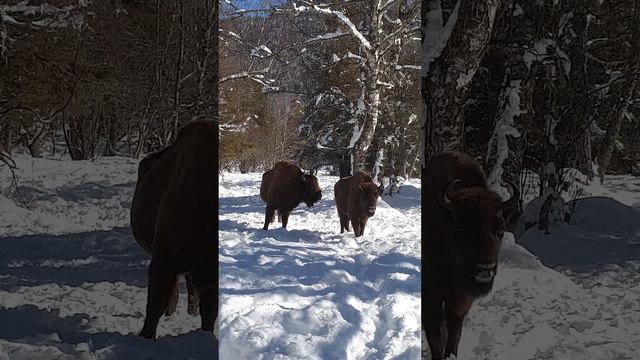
<point>515,196</point>
<point>303,178</point>
<point>445,201</point>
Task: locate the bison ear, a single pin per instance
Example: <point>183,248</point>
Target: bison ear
<point>445,200</point>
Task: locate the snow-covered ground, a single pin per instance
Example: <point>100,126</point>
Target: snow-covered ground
<point>72,279</point>
<point>309,292</point>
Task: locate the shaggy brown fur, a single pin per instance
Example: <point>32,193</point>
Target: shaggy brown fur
<point>283,188</point>
<point>356,197</point>
<point>462,231</point>
<point>175,217</point>
<point>153,178</point>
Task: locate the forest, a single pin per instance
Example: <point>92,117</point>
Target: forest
<point>89,79</point>
<point>332,85</point>
<point>545,90</point>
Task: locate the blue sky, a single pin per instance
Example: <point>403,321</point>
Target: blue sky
<point>256,4</point>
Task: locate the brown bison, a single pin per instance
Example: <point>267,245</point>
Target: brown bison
<point>153,179</point>
<point>174,216</point>
<point>283,188</point>
<point>462,229</point>
<point>356,197</point>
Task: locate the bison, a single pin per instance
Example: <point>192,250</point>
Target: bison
<point>463,224</point>
<point>174,217</point>
<point>356,198</point>
<point>283,188</point>
<point>153,179</point>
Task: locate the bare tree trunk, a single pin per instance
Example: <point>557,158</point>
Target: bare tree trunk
<point>176,120</point>
<point>579,83</point>
<point>35,144</point>
<point>449,79</point>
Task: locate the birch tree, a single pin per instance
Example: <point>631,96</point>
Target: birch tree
<point>375,32</point>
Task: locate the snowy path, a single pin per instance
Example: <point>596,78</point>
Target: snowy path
<point>309,292</point>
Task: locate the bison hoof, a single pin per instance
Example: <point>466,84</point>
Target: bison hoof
<point>207,325</point>
<point>170,310</point>
<point>265,227</point>
<point>193,309</point>
<point>148,334</point>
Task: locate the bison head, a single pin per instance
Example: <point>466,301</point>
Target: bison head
<point>369,193</point>
<point>478,227</point>
<point>310,189</point>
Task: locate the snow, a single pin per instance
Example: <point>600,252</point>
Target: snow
<point>540,51</point>
<point>340,16</point>
<point>309,292</point>
<point>505,126</point>
<point>257,51</point>
<point>327,36</point>
<point>72,278</point>
<point>518,10</point>
<point>436,34</point>
<point>73,281</point>
<point>64,16</point>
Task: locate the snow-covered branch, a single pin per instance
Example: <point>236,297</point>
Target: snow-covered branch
<point>45,15</point>
<point>310,7</point>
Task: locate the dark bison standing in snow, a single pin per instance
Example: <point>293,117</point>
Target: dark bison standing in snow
<point>463,225</point>
<point>153,179</point>
<point>174,217</point>
<point>283,188</point>
<point>356,197</point>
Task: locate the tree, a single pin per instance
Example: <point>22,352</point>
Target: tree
<point>447,75</point>
<point>369,37</point>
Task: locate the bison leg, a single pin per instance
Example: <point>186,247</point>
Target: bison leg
<point>268,217</point>
<point>356,227</point>
<point>279,217</point>
<point>161,283</point>
<point>208,308</point>
<point>454,330</point>
<point>285,218</point>
<point>193,295</point>
<point>208,289</point>
<point>344,222</point>
<point>435,326</point>
<point>173,299</point>
<point>362,225</point>
<point>455,311</point>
